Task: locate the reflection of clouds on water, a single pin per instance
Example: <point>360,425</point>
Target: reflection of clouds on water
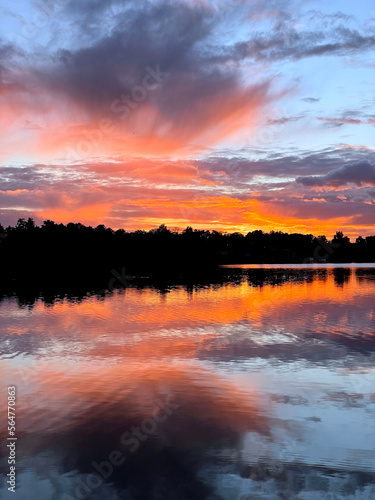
<point>273,374</point>
<point>85,422</point>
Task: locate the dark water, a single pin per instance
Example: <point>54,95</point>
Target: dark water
<point>261,387</point>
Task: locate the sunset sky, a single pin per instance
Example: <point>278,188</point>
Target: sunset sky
<point>227,115</point>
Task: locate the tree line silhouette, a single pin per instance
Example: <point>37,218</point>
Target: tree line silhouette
<point>74,253</point>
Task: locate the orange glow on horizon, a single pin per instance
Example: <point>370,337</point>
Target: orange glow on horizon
<point>178,311</point>
<point>221,213</point>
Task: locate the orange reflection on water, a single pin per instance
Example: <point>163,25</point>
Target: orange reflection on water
<point>180,315</point>
<point>258,353</point>
<point>70,399</point>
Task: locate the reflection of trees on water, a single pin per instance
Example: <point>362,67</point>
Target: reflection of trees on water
<point>214,280</point>
<point>54,258</point>
<point>341,276</point>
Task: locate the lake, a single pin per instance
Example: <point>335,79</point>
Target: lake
<point>259,386</point>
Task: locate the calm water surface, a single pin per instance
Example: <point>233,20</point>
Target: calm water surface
<point>260,387</point>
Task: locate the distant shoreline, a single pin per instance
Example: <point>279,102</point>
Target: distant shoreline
<point>73,256</point>
<point>324,265</point>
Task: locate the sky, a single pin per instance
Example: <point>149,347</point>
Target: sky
<point>233,115</point>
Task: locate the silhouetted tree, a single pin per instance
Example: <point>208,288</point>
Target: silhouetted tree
<point>75,253</point>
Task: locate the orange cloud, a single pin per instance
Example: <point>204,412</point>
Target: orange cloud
<point>68,128</point>
<point>89,214</point>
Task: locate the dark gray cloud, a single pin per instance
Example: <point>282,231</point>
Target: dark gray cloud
<point>8,52</point>
<point>310,99</point>
<point>116,41</point>
<point>161,34</point>
<point>120,184</point>
<point>319,168</point>
<point>328,20</point>
<point>319,164</point>
<point>180,37</point>
<point>283,120</point>
<point>195,95</point>
<point>284,42</point>
<point>362,172</point>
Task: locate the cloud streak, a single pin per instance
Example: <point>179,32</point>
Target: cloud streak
<point>289,43</point>
<point>356,173</point>
<point>224,193</point>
